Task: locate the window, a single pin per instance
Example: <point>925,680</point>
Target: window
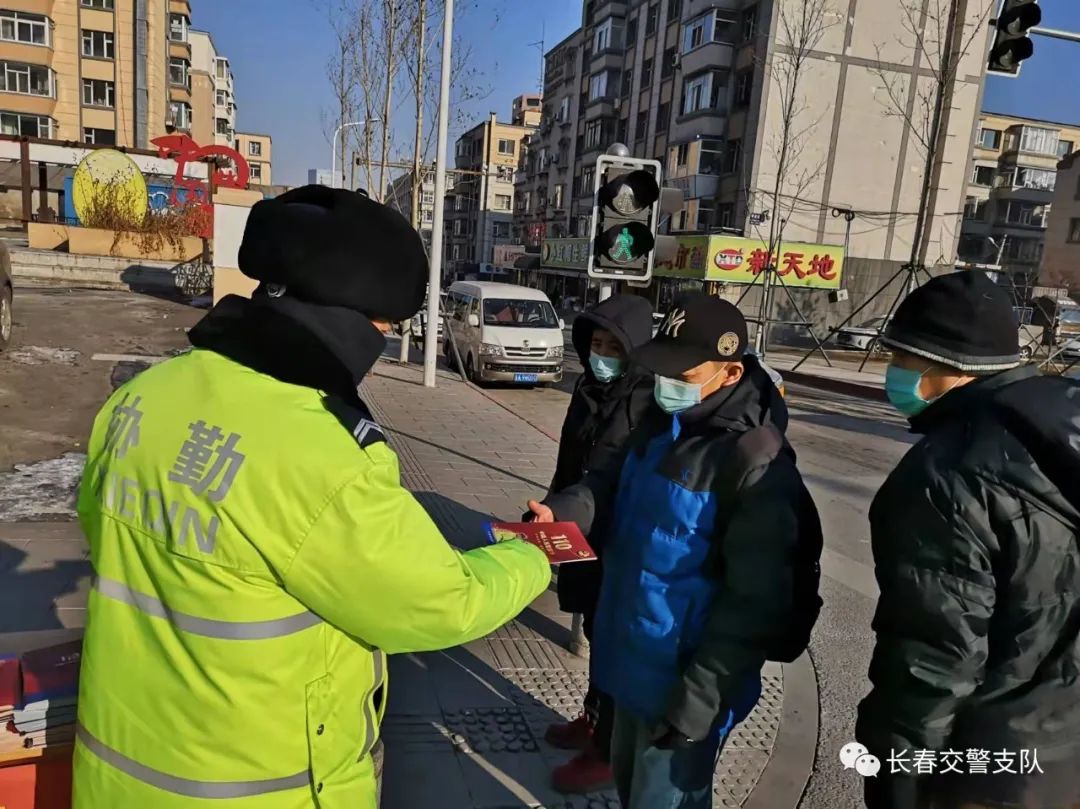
<point>702,92</point>
<point>532,102</point>
<point>30,29</point>
<point>100,137</point>
<point>98,44</point>
<point>594,134</point>
<point>503,202</point>
<point>1074,231</point>
<point>519,312</point>
<point>587,176</point>
<point>1038,179</point>
<point>455,255</point>
<point>682,154</point>
<point>668,65</point>
<point>732,156</point>
<point>983,175</point>
<point>98,93</point>
<point>180,112</point>
<point>646,73</point>
<point>631,32</point>
<point>500,230</point>
<point>506,146</point>
<point>725,215</point>
<point>607,36</point>
<point>1027,251</point>
<point>254,148</point>
<point>557,198</point>
<point>711,157</point>
<point>506,173</point>
<point>975,209</point>
<point>427,198</point>
<point>622,130</point>
<point>427,216</point>
<point>32,80</point>
<point>749,23</point>
<point>1038,140</point>
<point>627,82</point>
<point>178,71</point>
<point>1027,213</point>
<point>716,26</point>
<point>221,126</point>
<point>663,117</point>
<point>642,125</point>
<point>989,139</point>
<point>744,87</point>
<point>458,224</point>
<point>222,68</point>
<point>1065,148</point>
<point>674,10</point>
<point>104,5</point>
<point>178,32</point>
<point>598,86</point>
<point>220,99</point>
<point>31,126</point>
<point>256,172</point>
<point>651,19</point>
<point>564,110</point>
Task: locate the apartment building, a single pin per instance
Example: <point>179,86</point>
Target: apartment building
<point>399,196</point>
<point>1061,252</point>
<point>1011,190</point>
<point>213,97</point>
<point>696,84</point>
<point>257,150</point>
<point>480,210</point>
<point>115,72</point>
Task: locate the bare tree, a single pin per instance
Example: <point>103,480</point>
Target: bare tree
<point>939,34</point>
<point>801,25</point>
<point>341,71</point>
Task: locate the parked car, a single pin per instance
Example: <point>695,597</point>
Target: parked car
<point>859,338</point>
<point>504,333</point>
<point>419,322</point>
<point>7,293</point>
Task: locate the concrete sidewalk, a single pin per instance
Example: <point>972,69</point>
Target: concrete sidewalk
<point>842,377</point>
<point>465,727</point>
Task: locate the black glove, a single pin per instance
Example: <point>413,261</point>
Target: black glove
<point>668,737</point>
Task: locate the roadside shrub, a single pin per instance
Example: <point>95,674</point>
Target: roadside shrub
<point>112,207</point>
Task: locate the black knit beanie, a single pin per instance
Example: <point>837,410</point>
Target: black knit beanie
<point>962,320</point>
<point>335,247</point>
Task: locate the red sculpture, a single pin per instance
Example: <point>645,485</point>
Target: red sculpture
<point>183,149</point>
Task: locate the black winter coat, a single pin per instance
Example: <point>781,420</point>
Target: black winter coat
<point>977,553</point>
<point>598,422</point>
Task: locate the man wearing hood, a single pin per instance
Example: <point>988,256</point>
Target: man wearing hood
<point>611,399</point>
<point>255,555</point>
<point>976,552</point>
<point>710,560</point>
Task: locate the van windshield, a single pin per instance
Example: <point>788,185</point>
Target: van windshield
<point>529,314</point>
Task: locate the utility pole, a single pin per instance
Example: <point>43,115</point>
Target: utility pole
<point>435,274</point>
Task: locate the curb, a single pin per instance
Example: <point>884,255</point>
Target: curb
<point>856,389</point>
<point>788,770</point>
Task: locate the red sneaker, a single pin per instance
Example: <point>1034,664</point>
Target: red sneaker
<point>585,772</point>
<point>576,735</point>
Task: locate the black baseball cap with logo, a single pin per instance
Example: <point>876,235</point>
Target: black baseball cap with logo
<point>698,328</point>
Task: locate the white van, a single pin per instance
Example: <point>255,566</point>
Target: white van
<point>504,333</point>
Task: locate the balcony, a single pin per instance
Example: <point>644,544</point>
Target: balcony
<point>710,56</point>
<point>695,186</point>
<point>607,8</point>
<point>610,58</point>
<point>602,107</point>
<point>706,123</point>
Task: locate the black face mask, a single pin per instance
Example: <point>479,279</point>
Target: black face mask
<point>328,348</point>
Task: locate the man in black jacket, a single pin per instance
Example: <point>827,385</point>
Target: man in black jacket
<point>710,556</point>
<point>611,398</point>
<point>975,539</point>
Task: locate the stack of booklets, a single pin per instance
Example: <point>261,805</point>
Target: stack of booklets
<point>38,692</point>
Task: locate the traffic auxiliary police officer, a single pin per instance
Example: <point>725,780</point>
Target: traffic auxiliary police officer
<point>255,554</point>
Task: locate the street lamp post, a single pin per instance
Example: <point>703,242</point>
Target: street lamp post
<point>333,148</point>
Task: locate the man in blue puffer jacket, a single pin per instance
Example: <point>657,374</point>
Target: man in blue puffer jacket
<point>711,559</point>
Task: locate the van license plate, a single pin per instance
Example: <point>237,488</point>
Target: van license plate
<point>526,378</point>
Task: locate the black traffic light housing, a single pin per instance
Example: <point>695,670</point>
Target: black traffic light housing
<point>1012,45</point>
<point>627,203</point>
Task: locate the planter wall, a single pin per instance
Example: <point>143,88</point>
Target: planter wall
<point>47,237</point>
<point>94,242</point>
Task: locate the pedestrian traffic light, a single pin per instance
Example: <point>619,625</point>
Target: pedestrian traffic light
<point>627,203</point>
<point>1012,45</point>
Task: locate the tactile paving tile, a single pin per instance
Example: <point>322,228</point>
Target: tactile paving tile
<point>736,776</point>
<point>490,730</point>
<point>758,730</point>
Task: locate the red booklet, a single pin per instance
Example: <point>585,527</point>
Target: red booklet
<point>563,542</point>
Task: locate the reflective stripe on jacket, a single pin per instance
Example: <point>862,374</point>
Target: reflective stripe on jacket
<point>253,566</point>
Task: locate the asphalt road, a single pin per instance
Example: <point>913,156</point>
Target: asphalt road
<point>846,447</point>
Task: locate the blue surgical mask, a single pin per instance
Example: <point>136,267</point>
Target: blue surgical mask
<point>606,369</point>
<point>674,395</point>
<point>902,389</point>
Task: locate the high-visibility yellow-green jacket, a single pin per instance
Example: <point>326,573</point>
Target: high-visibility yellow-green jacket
<point>255,562</point>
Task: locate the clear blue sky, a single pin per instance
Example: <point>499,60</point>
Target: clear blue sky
<point>282,87</point>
